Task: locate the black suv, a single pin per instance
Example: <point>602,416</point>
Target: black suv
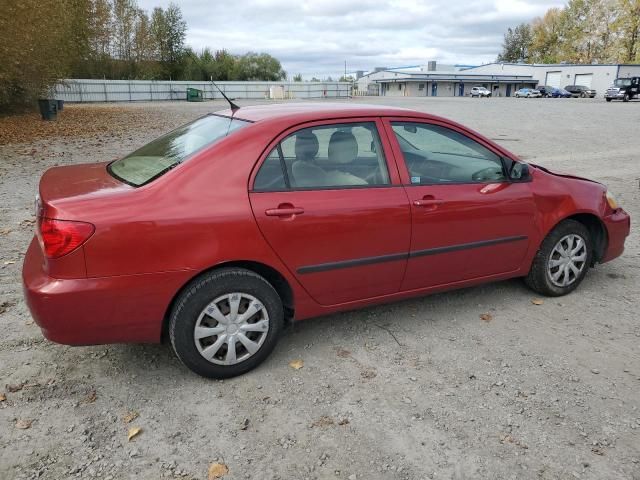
<point>545,90</point>
<point>580,91</point>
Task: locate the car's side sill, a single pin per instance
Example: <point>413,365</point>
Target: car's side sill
<point>323,267</point>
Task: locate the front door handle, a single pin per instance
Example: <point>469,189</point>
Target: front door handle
<point>428,202</point>
<point>284,210</point>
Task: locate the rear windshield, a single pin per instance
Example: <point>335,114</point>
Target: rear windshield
<point>164,153</point>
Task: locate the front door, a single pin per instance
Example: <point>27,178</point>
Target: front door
<point>508,90</point>
<point>461,90</point>
<point>434,89</point>
<point>331,209</point>
<point>468,221</point>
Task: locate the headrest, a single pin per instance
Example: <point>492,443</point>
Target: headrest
<point>306,147</point>
<point>343,147</point>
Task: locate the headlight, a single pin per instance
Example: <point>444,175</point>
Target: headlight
<point>611,200</point>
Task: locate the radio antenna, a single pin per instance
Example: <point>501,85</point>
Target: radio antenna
<point>233,106</point>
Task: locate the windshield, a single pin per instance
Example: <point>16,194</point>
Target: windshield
<point>622,82</point>
<point>164,153</point>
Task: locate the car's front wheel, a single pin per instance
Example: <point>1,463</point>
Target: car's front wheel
<point>226,322</point>
<point>562,261</point>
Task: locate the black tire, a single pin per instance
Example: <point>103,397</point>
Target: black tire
<point>198,295</point>
<point>583,95</point>
<point>608,99</point>
<point>625,98</point>
<point>539,278</point>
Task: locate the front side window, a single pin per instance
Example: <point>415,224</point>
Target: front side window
<point>439,155</point>
<point>164,153</point>
<point>326,156</point>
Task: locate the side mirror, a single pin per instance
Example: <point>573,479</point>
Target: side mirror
<point>519,172</point>
<point>373,146</point>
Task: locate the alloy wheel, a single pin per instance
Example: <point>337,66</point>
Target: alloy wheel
<point>567,260</point>
<point>231,328</point>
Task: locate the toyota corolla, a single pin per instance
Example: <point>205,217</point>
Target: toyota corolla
<point>219,233</point>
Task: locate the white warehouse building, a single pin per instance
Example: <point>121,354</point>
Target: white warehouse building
<point>502,79</point>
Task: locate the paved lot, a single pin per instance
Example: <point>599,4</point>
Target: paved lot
<point>418,389</point>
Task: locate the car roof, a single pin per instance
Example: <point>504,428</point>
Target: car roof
<point>306,111</point>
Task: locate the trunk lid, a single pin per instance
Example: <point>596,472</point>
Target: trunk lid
<point>62,188</point>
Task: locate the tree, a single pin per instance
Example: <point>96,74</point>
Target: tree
<point>258,66</point>
<point>169,31</point>
<point>545,33</point>
<point>297,77</point>
<point>627,29</point>
<point>515,47</point>
<point>347,78</point>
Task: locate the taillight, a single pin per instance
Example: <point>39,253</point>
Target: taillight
<point>60,237</point>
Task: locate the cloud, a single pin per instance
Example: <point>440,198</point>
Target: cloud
<point>316,37</point>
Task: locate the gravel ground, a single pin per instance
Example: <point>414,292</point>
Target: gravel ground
<point>418,389</point>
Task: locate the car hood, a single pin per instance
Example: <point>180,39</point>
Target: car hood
<point>563,174</point>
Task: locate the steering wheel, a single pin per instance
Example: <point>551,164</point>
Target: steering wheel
<point>491,173</point>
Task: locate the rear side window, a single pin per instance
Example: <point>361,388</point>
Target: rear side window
<point>161,155</point>
<point>327,156</point>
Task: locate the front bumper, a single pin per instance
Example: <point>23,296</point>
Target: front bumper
<point>618,226</point>
<point>614,96</point>
<point>91,311</point>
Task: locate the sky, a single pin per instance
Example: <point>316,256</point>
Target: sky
<point>316,37</point>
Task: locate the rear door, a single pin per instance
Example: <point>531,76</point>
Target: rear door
<point>333,209</point>
<point>468,221</point>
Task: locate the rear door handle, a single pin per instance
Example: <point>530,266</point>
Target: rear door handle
<point>284,211</point>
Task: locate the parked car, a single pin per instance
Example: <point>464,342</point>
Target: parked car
<point>545,90</point>
<point>580,91</point>
<point>219,233</point>
<point>528,93</point>
<point>480,92</point>
<point>559,93</point>
<point>623,89</point>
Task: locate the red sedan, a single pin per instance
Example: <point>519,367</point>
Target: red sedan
<point>222,231</point>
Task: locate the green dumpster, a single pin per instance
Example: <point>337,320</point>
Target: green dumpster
<point>194,95</point>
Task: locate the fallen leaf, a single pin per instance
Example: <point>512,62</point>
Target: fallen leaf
<point>5,231</point>
<point>130,417</point>
<point>486,317</point>
<point>245,424</point>
<point>296,364</point>
<point>537,301</point>
<point>343,353</point>
<point>29,322</point>
<point>9,262</point>
<point>3,397</point>
<point>368,373</point>
<point>15,388</point>
<point>597,451</point>
<point>217,470</point>
<point>23,424</point>
<point>133,432</point>
<point>91,397</point>
<point>344,421</point>
<point>323,421</point>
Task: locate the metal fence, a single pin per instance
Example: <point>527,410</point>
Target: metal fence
<point>80,90</point>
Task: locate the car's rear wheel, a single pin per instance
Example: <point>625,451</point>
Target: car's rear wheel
<point>226,322</point>
<point>625,98</point>
<point>608,99</point>
<point>562,261</point>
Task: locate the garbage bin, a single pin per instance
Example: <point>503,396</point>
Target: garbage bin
<point>194,95</point>
<point>48,108</point>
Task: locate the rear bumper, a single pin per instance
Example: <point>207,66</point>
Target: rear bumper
<point>91,311</point>
<point>618,226</point>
